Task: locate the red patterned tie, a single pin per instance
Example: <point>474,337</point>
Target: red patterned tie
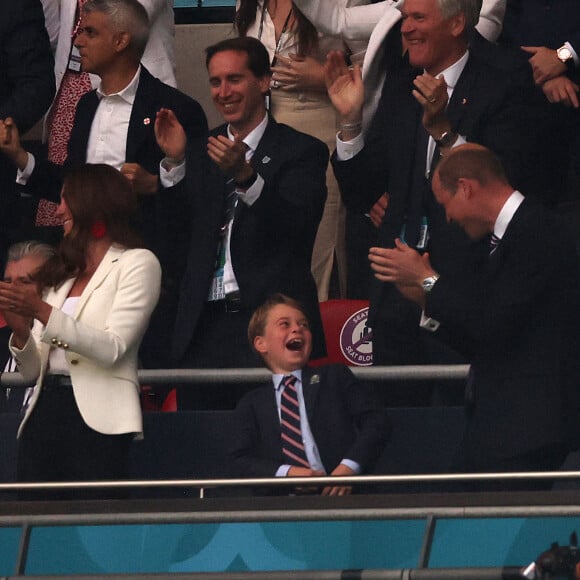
<point>292,444</point>
<point>59,125</point>
<point>62,113</point>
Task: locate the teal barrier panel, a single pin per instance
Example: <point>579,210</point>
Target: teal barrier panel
<point>9,541</point>
<point>493,542</point>
<point>118,549</point>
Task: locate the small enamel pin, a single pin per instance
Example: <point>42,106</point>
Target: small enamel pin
<point>266,159</point>
<point>315,379</point>
<point>464,101</point>
<point>146,121</point>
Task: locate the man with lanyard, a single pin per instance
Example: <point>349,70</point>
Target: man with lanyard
<point>438,96</point>
<point>257,209</point>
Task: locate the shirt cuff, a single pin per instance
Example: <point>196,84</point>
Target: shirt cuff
<point>429,323</point>
<point>352,465</point>
<point>346,150</point>
<point>22,176</point>
<point>283,470</point>
<point>170,175</point>
<point>14,351</point>
<point>251,195</point>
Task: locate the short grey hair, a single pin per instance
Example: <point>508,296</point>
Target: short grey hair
<point>127,16</point>
<point>470,8</point>
<point>22,250</point>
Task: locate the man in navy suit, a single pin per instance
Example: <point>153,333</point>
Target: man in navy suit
<point>514,311</point>
<point>342,430</point>
<point>260,243</point>
<point>440,94</point>
<point>26,91</point>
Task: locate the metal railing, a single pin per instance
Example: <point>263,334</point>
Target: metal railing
<point>192,376</point>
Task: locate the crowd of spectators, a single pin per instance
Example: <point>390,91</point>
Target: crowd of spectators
<point>252,208</point>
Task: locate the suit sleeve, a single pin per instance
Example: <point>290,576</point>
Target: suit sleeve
<point>495,307</point>
<point>247,439</point>
<point>28,67</point>
<point>336,19</point>
<point>491,19</point>
<point>363,179</point>
<point>372,427</point>
<point>293,196</point>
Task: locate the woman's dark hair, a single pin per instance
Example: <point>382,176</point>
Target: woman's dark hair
<point>247,14</point>
<point>94,194</point>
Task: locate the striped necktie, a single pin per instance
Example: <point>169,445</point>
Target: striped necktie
<point>493,243</point>
<point>292,444</point>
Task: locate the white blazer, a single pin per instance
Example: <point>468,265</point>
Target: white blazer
<point>159,58</point>
<point>101,340</point>
<point>373,22</point>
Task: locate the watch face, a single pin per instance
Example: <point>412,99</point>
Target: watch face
<point>564,53</point>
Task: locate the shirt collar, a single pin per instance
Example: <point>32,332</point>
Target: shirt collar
<point>507,213</point>
<point>128,93</point>
<point>452,73</point>
<point>253,138</point>
<point>277,379</point>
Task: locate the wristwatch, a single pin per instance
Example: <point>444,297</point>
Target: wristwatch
<point>564,54</point>
<point>447,139</point>
<point>429,282</point>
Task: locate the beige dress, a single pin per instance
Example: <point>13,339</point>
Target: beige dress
<point>312,112</point>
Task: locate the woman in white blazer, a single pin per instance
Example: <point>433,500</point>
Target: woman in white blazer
<point>99,293</point>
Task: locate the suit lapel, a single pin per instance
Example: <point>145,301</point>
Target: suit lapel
<point>460,99</point>
<point>142,116</point>
<point>496,258</point>
<point>107,264</point>
<point>310,388</point>
<point>79,138</point>
<point>264,158</point>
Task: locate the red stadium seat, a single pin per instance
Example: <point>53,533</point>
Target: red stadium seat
<point>347,339</point>
<point>170,402</point>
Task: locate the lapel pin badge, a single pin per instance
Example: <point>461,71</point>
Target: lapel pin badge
<point>266,159</point>
<point>146,121</point>
<point>464,101</point>
<point>314,379</point>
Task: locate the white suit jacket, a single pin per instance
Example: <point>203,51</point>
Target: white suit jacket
<point>373,22</point>
<point>101,340</point>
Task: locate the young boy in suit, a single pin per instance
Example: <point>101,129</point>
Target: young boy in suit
<point>306,421</point>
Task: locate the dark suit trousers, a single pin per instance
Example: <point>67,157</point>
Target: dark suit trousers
<point>220,341</point>
<point>57,445</point>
